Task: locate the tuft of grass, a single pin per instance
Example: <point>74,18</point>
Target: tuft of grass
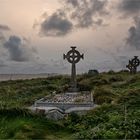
<point>103,95</point>
<point>21,125</point>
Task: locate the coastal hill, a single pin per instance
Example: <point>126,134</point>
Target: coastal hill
<point>117,95</point>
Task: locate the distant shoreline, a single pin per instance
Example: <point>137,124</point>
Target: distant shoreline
<point>6,77</point>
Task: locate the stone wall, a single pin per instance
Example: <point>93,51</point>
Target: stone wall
<point>63,106</point>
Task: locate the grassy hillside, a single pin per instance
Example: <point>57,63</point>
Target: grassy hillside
<point>22,93</point>
<point>116,117</point>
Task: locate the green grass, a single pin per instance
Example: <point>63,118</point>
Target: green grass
<point>23,93</point>
<point>22,124</point>
<point>117,116</point>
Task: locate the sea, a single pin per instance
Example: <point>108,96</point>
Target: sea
<point>6,77</point>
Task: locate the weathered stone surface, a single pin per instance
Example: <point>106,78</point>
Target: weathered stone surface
<point>73,57</point>
<point>55,115</point>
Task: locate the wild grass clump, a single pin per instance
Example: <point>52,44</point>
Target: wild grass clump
<point>103,95</point>
<point>131,98</point>
<point>14,112</point>
<point>111,72</point>
<point>22,124</point>
<point>116,78</point>
<point>99,81</point>
<point>85,85</point>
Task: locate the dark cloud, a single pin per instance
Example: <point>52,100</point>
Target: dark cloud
<point>56,25</point>
<point>130,6</point>
<point>74,3</point>
<point>84,12</point>
<point>2,38</point>
<point>2,64</point>
<point>4,28</point>
<point>73,14</point>
<point>18,49</point>
<point>133,39</point>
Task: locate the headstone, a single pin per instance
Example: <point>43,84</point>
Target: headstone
<point>93,72</point>
<point>73,57</point>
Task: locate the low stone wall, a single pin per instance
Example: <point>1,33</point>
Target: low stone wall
<point>63,106</point>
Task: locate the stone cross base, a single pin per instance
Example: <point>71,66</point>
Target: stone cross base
<point>73,89</point>
<point>73,93</point>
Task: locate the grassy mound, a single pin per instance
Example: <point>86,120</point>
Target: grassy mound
<point>115,117</point>
<point>22,124</point>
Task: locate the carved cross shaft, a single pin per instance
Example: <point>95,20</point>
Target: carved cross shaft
<point>73,57</point>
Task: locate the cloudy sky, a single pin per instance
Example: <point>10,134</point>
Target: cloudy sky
<point>34,34</point>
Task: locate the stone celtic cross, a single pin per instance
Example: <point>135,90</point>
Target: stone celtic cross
<point>73,57</point>
<point>130,67</point>
<point>133,64</point>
